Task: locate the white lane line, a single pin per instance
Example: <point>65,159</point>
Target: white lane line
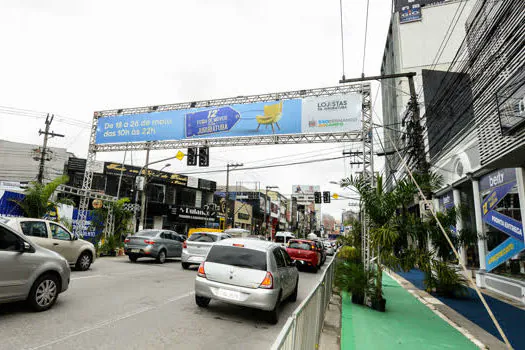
<point>83,277</point>
<point>113,320</point>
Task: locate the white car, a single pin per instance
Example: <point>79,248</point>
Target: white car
<point>197,246</point>
<point>55,237</point>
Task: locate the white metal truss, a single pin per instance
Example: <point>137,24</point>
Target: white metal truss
<point>349,136</point>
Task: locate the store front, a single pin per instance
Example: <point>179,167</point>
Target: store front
<point>243,215</point>
<point>182,219</point>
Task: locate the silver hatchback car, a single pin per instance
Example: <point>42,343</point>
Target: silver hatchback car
<point>247,272</point>
<point>29,272</point>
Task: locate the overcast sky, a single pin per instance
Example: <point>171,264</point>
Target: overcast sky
<point>72,58</point>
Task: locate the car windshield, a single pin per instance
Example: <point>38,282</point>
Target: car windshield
<point>299,245</point>
<point>149,233</point>
<point>202,237</point>
<point>240,257</point>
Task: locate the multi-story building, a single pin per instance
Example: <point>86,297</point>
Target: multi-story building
<point>473,113</point>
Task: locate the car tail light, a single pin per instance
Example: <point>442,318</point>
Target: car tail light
<point>313,247</point>
<point>126,240</point>
<point>201,272</point>
<point>267,282</point>
<point>238,245</point>
<point>184,245</point>
<point>147,241</point>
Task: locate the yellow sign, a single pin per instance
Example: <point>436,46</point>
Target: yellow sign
<point>335,196</point>
<point>97,204</point>
<point>180,155</point>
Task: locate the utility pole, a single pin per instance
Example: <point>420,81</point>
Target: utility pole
<point>266,205</point>
<point>143,198</point>
<point>228,166</point>
<point>416,134</point>
<point>44,147</point>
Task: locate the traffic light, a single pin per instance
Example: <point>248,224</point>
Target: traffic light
<point>317,197</point>
<point>192,156</point>
<point>326,196</point>
<point>204,159</point>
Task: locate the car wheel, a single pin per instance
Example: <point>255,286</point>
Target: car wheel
<point>293,297</point>
<point>161,258</point>
<point>133,258</point>
<point>315,269</point>
<point>202,301</point>
<point>273,316</point>
<point>185,266</point>
<point>83,262</point>
<point>44,292</point>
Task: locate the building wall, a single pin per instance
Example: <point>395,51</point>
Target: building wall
<point>17,162</point>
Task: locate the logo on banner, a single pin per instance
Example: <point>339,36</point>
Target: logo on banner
<point>505,224</point>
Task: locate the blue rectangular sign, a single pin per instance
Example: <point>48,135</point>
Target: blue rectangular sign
<point>410,13</point>
<point>446,201</point>
<point>504,252</point>
<point>497,178</point>
<point>507,225</point>
<point>312,114</point>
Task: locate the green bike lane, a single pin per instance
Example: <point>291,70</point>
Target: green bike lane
<point>406,324</point>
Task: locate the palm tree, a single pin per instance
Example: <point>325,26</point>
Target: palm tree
<point>37,203</point>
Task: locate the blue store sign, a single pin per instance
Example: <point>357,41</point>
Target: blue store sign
<point>507,225</point>
<point>446,201</point>
<point>504,252</point>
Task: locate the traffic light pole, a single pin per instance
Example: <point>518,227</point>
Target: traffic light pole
<point>228,166</point>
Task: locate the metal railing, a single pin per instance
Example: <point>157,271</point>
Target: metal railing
<point>303,328</point>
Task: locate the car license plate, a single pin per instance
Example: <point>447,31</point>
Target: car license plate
<point>135,250</point>
<point>229,294</point>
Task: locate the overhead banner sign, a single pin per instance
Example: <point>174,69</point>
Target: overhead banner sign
<point>334,113</point>
<point>504,252</point>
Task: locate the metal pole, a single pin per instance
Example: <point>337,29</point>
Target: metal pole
<point>227,194</point>
<point>121,172</point>
<point>143,200</point>
<point>265,223</point>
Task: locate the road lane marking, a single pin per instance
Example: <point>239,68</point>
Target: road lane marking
<point>113,320</point>
<point>83,277</point>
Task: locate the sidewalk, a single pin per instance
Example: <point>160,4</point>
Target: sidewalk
<point>511,318</point>
<point>407,324</point>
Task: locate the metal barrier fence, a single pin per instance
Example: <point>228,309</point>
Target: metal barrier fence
<point>303,328</point>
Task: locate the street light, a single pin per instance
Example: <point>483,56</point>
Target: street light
<point>228,166</point>
<point>337,183</point>
<point>265,205</point>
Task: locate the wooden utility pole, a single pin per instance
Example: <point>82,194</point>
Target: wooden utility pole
<point>44,146</point>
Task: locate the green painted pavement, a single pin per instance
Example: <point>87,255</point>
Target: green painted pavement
<point>406,324</point>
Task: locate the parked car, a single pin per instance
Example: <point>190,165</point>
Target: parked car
<point>283,237</point>
<point>247,272</point>
<point>55,237</point>
<point>305,253</point>
<point>156,244</point>
<point>198,245</point>
<point>321,250</point>
<point>30,272</point>
<point>329,248</point>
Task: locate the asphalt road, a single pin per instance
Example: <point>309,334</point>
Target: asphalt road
<point>120,305</point>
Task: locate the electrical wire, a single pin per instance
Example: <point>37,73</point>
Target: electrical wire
<point>366,34</point>
<point>342,36</point>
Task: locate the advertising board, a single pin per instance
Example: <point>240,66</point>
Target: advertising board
<point>316,114</point>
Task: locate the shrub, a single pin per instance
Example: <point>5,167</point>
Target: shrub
<point>349,254</point>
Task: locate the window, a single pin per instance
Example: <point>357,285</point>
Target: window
<point>147,233</point>
<point>202,237</point>
<point>34,228</point>
<point>59,233</point>
<point>235,256</point>
<point>299,245</point>
<point>8,240</point>
<point>287,258</point>
<point>178,238</point>
<point>279,258</point>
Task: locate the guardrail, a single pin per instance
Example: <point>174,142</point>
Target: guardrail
<point>303,328</point>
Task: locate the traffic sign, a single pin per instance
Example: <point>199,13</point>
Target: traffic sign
<point>211,121</point>
<point>335,196</point>
<point>180,155</point>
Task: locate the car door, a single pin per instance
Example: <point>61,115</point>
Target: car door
<point>15,266</point>
<point>37,232</point>
<point>165,240</point>
<point>281,271</point>
<point>177,243</point>
<point>63,242</point>
<point>291,270</point>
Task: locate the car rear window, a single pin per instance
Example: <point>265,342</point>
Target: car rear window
<point>147,233</point>
<point>203,237</point>
<point>240,257</point>
<point>299,245</point>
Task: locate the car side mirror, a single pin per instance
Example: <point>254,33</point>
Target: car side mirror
<point>25,247</point>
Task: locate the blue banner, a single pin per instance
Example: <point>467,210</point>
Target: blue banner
<point>446,201</point>
<point>7,206</point>
<point>497,178</point>
<point>312,114</point>
<point>504,252</point>
<point>90,230</point>
<point>496,196</point>
<point>507,225</point>
<point>410,13</point>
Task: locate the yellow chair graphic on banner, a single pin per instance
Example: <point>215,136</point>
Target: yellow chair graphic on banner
<point>272,115</point>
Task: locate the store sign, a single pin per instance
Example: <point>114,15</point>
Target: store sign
<point>192,214</point>
<point>193,182</point>
<point>497,178</point>
<point>496,196</point>
<point>207,185</point>
<point>127,170</point>
<point>504,252</point>
<point>410,13</point>
<point>446,201</point>
<point>505,224</point>
<point>335,113</point>
<point>243,216</point>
